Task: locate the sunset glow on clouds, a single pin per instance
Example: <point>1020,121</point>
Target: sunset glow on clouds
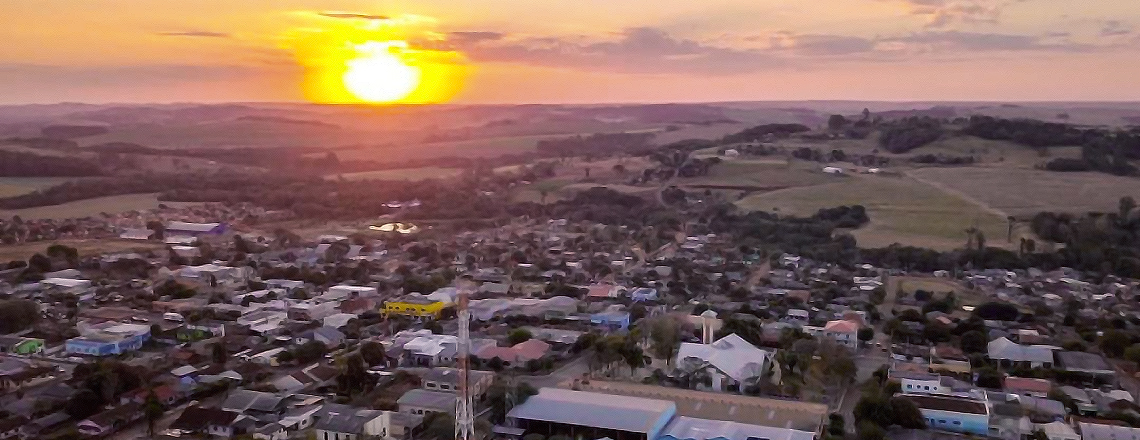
<point>587,51</point>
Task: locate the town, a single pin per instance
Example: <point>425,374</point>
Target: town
<point>546,328</point>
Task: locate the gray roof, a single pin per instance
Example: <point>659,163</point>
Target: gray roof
<point>432,400</point>
<point>451,375</point>
<point>1083,362</point>
<point>329,333</point>
<point>343,418</point>
<point>609,411</point>
<point>689,428</point>
<point>1096,431</point>
<point>244,400</point>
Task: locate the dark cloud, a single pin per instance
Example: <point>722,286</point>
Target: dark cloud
<point>202,34</point>
<point>353,15</point>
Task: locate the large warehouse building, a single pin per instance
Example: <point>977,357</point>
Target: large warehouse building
<point>583,414</point>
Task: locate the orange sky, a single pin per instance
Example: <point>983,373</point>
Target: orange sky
<point>536,51</point>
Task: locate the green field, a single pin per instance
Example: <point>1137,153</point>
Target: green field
<point>92,207</point>
<point>902,210</point>
<point>14,186</point>
<point>1024,192</point>
<point>762,173</point>
<point>412,174</point>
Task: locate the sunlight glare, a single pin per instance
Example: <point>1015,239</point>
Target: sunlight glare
<point>378,74</point>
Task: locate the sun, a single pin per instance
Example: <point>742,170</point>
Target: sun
<point>378,74</point>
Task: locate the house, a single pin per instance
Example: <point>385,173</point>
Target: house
<point>447,379</point>
<point>643,294</point>
<point>341,292</point>
<point>1009,353</point>
<point>691,428</point>
<point>251,402</point>
<point>107,340</point>
<point>329,336</point>
<point>954,414</point>
<point>922,383</point>
<point>18,345</point>
<point>729,361</point>
<point>517,355</point>
<point>343,422</point>
<point>1099,431</point>
<point>1027,386</point>
<point>267,357</point>
<point>1089,365</point>
<point>611,319</point>
<point>43,425</point>
<point>414,306</point>
<point>211,421</point>
<point>165,394</point>
<point>110,420</point>
<point>204,329</point>
<point>10,427</point>
<point>271,431</point>
<point>187,375</point>
<point>843,332</point>
<point>603,291</point>
<point>194,229</point>
<point>1058,430</point>
<point>422,402</point>
<point>1084,402</point>
<point>309,311</point>
<point>26,377</point>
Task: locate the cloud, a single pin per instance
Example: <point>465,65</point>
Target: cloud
<point>151,74</point>
<point>821,45</point>
<point>1114,28</point>
<point>941,14</point>
<point>950,41</point>
<point>352,15</point>
<point>634,50</point>
<point>475,36</point>
<point>201,34</point>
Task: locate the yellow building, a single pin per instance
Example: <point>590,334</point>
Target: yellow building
<point>415,307</point>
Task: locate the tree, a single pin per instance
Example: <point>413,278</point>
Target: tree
<point>988,377</point>
<point>153,411</point>
<point>17,315</point>
<point>373,353</point>
<point>439,426</point>
<point>875,408</point>
<point>836,122</point>
<point>518,336</point>
<point>998,311</point>
<point>906,414</point>
<point>633,356</point>
<point>870,431</point>
<point>218,353</point>
<point>83,404</point>
<point>973,341</point>
<point>1127,204</point>
<point>665,338</point>
<point>1132,353</point>
<point>866,334</point>
<point>1114,342</point>
<point>39,263</point>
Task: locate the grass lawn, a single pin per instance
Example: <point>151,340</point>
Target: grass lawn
<point>413,174</point>
<point>902,210</point>
<point>1027,191</point>
<point>92,207</point>
<point>761,174</point>
<point>14,186</point>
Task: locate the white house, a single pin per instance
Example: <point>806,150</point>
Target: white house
<point>1011,353</point>
<point>729,360</point>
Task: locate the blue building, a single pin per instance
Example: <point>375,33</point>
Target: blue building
<point>611,320</point>
<point>109,340</point>
<point>954,414</point>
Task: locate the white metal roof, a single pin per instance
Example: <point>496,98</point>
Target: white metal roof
<point>731,354</point>
<point>608,411</point>
<point>689,428</point>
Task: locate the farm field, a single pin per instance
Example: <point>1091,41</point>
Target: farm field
<point>760,174</point>
<point>1024,192</point>
<point>487,147</point>
<point>902,210</point>
<point>85,247</point>
<point>92,207</point>
<point>412,174</point>
<point>14,186</point>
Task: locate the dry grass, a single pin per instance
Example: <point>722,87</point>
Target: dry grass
<point>412,174</point>
<point>92,207</point>
<point>902,210</point>
<point>1026,191</point>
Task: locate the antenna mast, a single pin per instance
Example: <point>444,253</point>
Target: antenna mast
<point>464,414</point>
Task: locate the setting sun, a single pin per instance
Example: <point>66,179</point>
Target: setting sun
<point>379,75</point>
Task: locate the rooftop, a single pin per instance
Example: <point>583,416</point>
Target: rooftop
<point>689,428</point>
<point>581,408</point>
<point>950,404</point>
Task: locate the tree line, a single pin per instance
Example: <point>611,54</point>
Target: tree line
<point>1104,150</point>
